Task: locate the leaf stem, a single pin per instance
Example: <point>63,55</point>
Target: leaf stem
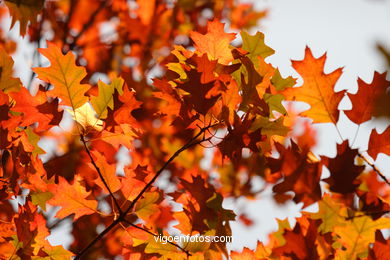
<point>100,173</point>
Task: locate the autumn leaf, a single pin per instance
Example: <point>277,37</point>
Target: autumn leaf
<point>281,83</point>
<point>87,119</point>
<point>343,171</point>
<point>71,198</point>
<point>198,93</point>
<point>379,143</point>
<point>36,109</point>
<point>381,248</point>
<point>255,45</point>
<point>363,102</point>
<point>7,81</point>
<point>299,244</point>
<point>357,234</point>
<point>300,174</point>
<point>147,206</point>
<point>215,43</point>
<point>331,214</point>
<point>108,172</point>
<point>24,11</point>
<point>317,89</point>
<point>65,76</point>
<point>105,99</point>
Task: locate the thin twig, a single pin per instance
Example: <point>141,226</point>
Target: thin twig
<point>100,173</point>
<point>155,235</point>
<point>183,148</point>
<point>123,214</point>
<point>383,177</point>
<point>98,237</point>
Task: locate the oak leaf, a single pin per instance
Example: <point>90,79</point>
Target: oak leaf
<point>108,172</point>
<point>87,119</point>
<point>379,143</point>
<point>343,171</point>
<point>357,234</point>
<point>24,11</point>
<point>215,43</point>
<point>317,89</point>
<point>72,199</point>
<point>363,102</point>
<point>105,99</point>
<point>255,45</point>
<point>7,81</point>
<point>65,76</point>
<point>36,109</point>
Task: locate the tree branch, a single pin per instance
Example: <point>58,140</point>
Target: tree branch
<point>98,237</point>
<point>383,177</point>
<point>100,173</point>
<point>183,148</point>
<point>193,141</point>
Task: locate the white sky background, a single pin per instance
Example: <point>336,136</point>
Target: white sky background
<point>348,30</point>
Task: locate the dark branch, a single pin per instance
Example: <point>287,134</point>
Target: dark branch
<point>190,143</point>
<point>383,177</point>
<point>100,174</point>
<point>123,214</point>
<point>97,238</point>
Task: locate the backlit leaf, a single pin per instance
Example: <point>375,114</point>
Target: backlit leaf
<point>65,76</point>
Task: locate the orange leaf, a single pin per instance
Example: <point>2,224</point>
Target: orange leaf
<point>108,172</point>
<point>215,43</point>
<point>65,76</point>
<point>71,199</point>
<point>379,143</point>
<point>317,89</point>
<point>363,101</point>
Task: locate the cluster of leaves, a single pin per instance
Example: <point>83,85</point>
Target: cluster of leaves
<point>212,122</point>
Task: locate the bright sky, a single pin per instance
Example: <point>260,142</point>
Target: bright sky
<point>348,31</point>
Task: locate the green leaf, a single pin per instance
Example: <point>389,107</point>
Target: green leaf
<point>281,83</point>
<point>270,128</point>
<point>105,97</point>
<point>147,206</point>
<point>255,45</point>
<point>34,139</point>
<point>275,103</point>
<point>40,198</point>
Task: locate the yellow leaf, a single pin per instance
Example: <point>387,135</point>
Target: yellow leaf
<point>147,206</point>
<point>65,76</point>
<point>105,98</point>
<point>357,235</point>
<point>24,11</point>
<point>86,117</point>
<point>331,214</point>
<point>7,82</point>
